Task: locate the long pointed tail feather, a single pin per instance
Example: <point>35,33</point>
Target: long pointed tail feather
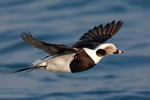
<point>38,64</point>
<point>29,69</point>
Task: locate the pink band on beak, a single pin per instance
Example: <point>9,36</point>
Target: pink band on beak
<point>120,52</point>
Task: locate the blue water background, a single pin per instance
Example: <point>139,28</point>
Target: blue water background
<point>117,77</point>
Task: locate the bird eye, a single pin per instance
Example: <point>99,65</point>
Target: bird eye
<point>101,52</point>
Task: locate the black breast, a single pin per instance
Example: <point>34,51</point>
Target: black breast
<point>81,62</point>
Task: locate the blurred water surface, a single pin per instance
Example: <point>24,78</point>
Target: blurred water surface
<point>117,77</point>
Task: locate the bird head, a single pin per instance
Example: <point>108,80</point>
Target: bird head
<point>107,49</point>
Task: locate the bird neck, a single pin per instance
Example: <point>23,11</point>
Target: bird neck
<point>92,54</point>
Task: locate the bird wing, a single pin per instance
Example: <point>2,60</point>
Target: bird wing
<point>51,49</point>
<point>98,35</point>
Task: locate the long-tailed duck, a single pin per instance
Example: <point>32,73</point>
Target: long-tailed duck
<point>83,55</point>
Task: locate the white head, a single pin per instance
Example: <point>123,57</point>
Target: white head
<point>107,49</point>
<point>101,51</point>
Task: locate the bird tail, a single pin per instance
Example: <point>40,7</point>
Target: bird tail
<point>38,64</point>
<point>28,69</point>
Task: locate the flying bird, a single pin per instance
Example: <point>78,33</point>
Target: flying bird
<point>81,56</point>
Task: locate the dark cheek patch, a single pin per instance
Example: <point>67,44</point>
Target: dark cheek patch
<point>101,52</point>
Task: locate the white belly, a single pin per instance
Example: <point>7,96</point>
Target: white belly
<point>60,63</point>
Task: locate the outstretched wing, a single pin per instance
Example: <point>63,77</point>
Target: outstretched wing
<point>48,48</point>
<point>98,35</point>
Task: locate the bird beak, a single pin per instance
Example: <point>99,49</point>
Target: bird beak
<point>118,52</point>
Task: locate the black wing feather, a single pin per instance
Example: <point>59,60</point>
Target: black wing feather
<point>98,35</point>
<point>47,47</point>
